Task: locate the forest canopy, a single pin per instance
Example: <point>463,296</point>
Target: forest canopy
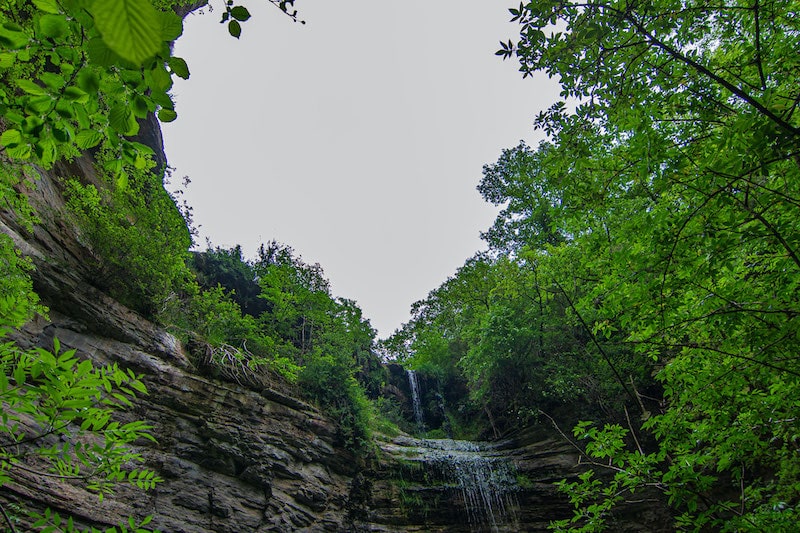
<point>645,260</point>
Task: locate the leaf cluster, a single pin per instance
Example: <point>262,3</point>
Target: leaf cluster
<point>58,421</point>
<point>670,181</point>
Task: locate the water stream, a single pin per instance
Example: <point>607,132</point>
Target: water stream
<point>483,479</point>
<point>487,482</point>
<point>416,403</point>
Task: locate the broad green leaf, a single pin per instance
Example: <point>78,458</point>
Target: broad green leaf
<point>122,120</point>
<point>131,28</point>
<point>30,87</point>
<point>65,109</point>
<point>88,81</point>
<point>240,13</point>
<point>167,115</point>
<point>163,99</point>
<point>48,6</point>
<point>171,26</point>
<point>12,37</point>
<point>122,181</point>
<point>158,78</point>
<point>140,107</point>
<point>88,139</point>
<point>54,26</point>
<point>179,67</point>
<point>61,135</point>
<point>11,138</point>
<point>234,28</point>
<point>22,151</point>
<point>32,124</point>
<point>52,80</point>
<point>100,53</point>
<point>76,94</point>
<point>7,59</point>
<point>81,116</point>
<point>40,104</point>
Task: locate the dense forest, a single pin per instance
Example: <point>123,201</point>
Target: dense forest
<point>639,291</point>
<point>644,267</point>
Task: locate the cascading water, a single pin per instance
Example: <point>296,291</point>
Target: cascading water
<point>416,403</point>
<point>482,479</point>
<point>474,474</point>
<point>487,484</point>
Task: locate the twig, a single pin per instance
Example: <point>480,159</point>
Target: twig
<point>8,519</point>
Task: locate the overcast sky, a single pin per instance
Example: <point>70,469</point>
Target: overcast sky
<point>358,138</point>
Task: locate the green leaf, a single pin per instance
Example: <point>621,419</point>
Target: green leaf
<point>11,138</point>
<point>140,107</point>
<point>88,81</point>
<point>30,87</point>
<point>163,99</point>
<point>76,94</point>
<point>159,78</point>
<point>88,139</point>
<point>61,135</point>
<point>100,54</point>
<point>81,115</point>
<point>52,81</point>
<point>22,151</point>
<point>19,374</point>
<point>122,181</point>
<point>240,13</point>
<point>65,109</point>
<point>48,6</point>
<point>54,26</point>
<point>131,28</point>
<point>122,120</point>
<point>167,115</point>
<point>171,26</point>
<point>13,37</point>
<point>7,59</point>
<point>40,104</point>
<point>178,67</point>
<point>234,28</point>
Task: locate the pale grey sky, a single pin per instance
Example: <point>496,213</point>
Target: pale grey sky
<point>357,139</point>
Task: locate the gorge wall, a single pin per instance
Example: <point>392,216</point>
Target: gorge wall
<point>248,456</point>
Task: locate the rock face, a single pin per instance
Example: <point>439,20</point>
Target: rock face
<point>251,457</point>
<point>233,457</point>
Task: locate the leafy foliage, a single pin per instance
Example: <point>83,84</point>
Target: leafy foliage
<point>76,78</point>
<point>61,409</point>
<point>654,231</point>
<point>276,313</point>
<point>675,184</point>
<point>138,237</point>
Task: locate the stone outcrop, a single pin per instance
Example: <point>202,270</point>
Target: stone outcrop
<point>233,457</point>
<point>245,457</point>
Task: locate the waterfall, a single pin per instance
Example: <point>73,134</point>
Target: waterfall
<point>415,399</point>
<point>476,481</point>
<point>487,483</point>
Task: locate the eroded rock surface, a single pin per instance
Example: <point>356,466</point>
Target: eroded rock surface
<point>249,457</point>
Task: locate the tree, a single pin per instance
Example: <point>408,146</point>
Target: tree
<point>676,175</point>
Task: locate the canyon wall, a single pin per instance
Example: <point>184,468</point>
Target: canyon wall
<point>248,455</point>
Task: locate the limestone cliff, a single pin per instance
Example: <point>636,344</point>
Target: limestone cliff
<point>250,456</point>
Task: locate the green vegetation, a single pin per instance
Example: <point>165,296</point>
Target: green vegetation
<point>137,236</point>
<point>292,325</point>
<point>655,233</point>
<point>79,77</point>
<point>642,274</point>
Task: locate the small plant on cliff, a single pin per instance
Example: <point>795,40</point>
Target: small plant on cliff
<point>57,413</point>
<point>138,237</point>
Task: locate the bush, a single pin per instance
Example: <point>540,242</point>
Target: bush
<point>138,238</point>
